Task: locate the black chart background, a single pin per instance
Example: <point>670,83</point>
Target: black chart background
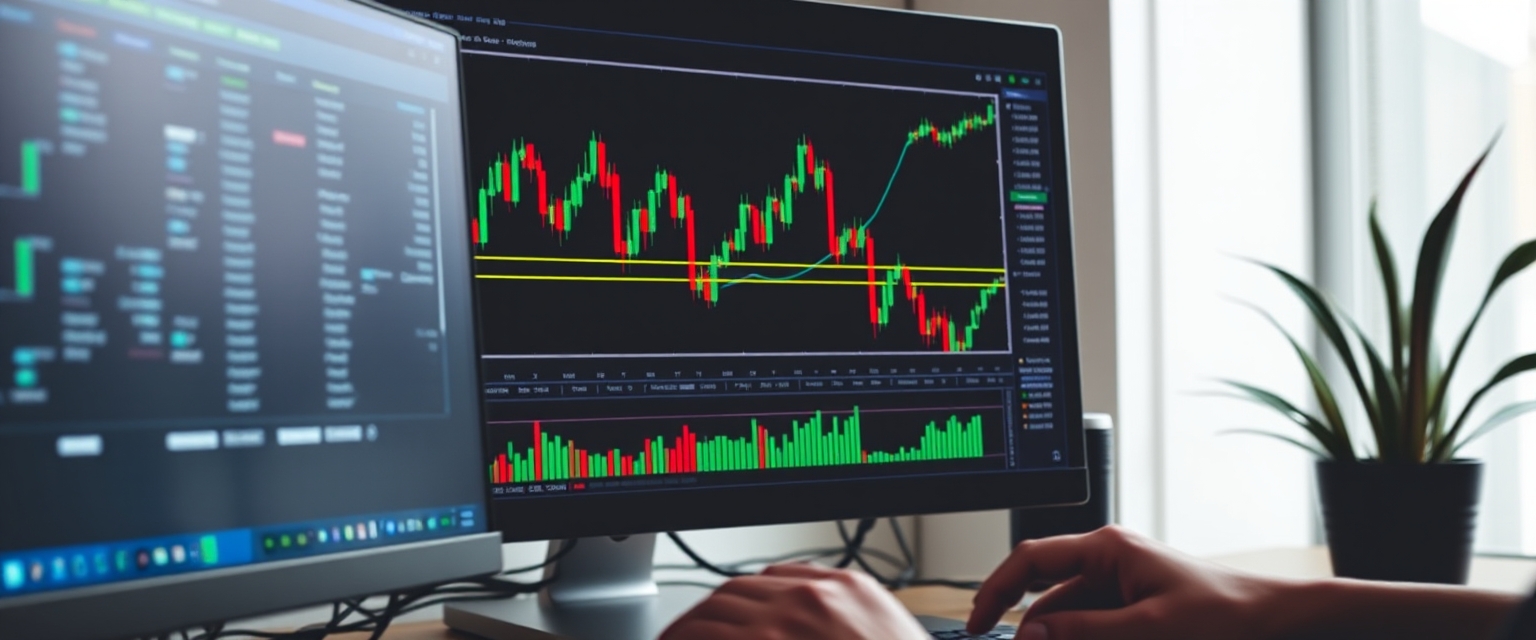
<point>724,137</point>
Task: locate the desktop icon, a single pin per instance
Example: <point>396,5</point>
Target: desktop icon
<point>141,558</point>
<point>362,531</point>
<point>101,563</point>
<point>373,529</point>
<point>36,571</point>
<point>162,557</point>
<point>323,536</point>
<point>431,524</point>
<point>302,539</point>
<point>210,549</point>
<point>336,534</point>
<point>15,575</point>
<point>389,527</point>
<point>60,570</point>
<point>120,560</point>
<point>178,554</point>
<point>79,567</point>
<point>348,532</point>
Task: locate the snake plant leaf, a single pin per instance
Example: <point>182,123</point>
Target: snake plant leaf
<point>1389,403</point>
<point>1441,420</point>
<point>1502,416</point>
<point>1510,369</point>
<point>1333,418</point>
<point>1433,255</point>
<point>1517,260</point>
<point>1283,438</point>
<point>1387,266</point>
<point>1306,421</point>
<point>1322,312</point>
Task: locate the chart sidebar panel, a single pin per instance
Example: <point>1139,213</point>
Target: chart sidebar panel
<point>110,314</point>
<point>221,260</point>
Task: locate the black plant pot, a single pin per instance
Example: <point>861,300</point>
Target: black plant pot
<point>1401,522</point>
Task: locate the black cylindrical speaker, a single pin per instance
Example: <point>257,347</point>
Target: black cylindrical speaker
<point>1044,522</point>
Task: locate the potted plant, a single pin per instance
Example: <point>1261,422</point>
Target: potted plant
<point>1402,507</point>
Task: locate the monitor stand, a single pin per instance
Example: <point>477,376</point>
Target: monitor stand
<point>605,591</point>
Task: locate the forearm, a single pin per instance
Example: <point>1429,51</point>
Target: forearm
<point>1359,610</point>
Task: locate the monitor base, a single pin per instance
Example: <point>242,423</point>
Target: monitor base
<point>638,618</point>
<point>605,591</point>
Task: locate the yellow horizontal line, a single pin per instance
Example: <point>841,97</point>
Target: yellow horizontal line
<point>856,283</point>
<point>767,265</point>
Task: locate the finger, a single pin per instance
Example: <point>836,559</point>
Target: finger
<point>759,587</point>
<point>727,607</point>
<point>687,628</point>
<point>1049,559</point>
<point>801,570</point>
<point>1082,592</point>
<point>1130,623</point>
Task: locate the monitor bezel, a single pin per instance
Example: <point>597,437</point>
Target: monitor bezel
<point>631,513</point>
<point>156,605</point>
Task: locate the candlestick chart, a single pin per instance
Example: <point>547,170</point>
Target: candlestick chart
<point>576,449</point>
<point>704,221</point>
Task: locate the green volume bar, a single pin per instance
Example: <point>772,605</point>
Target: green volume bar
<point>31,168</point>
<point>26,272</point>
<point>821,440</point>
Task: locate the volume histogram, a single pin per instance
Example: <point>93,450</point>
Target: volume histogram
<point>818,439</point>
<point>658,225</point>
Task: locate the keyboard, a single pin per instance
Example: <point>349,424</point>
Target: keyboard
<point>946,629</point>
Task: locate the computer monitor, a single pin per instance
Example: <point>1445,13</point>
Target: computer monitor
<point>236,323</point>
<point>765,261</point>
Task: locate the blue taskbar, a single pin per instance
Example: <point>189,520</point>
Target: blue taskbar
<point>41,570</point>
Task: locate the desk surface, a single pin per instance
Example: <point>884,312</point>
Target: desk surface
<point>1514,575</point>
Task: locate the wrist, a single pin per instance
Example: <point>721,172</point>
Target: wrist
<point>1285,609</point>
<point>1360,610</point>
<point>1300,609</point>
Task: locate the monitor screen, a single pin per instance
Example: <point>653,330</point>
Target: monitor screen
<point>741,261</point>
<point>235,315</point>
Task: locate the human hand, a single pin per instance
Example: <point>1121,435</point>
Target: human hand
<point>798,602</point>
<point>1113,584</point>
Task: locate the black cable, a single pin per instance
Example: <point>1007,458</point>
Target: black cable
<point>391,610</point>
<point>854,551</point>
<point>901,543</point>
<point>854,544</point>
<point>700,561</point>
<point>377,621</point>
<point>908,572</point>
